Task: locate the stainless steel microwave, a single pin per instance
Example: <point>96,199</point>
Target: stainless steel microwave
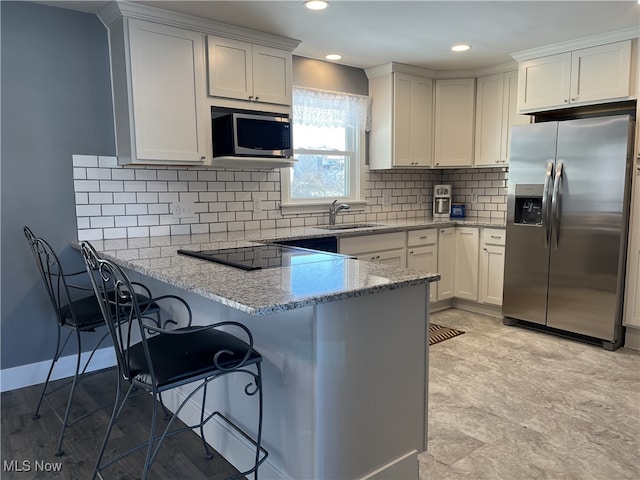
<point>251,135</point>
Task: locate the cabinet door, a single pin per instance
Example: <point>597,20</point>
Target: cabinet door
<point>510,115</point>
<point>489,120</point>
<point>600,73</point>
<point>230,68</point>
<point>446,262</point>
<point>544,82</point>
<point>454,122</point>
<point>466,263</point>
<point>271,75</point>
<point>412,125</point>
<point>168,115</point>
<point>422,121</point>
<point>491,274</point>
<point>425,259</point>
<point>402,138</point>
<point>632,290</point>
<point>397,258</point>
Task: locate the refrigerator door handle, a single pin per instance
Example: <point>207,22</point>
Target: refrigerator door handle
<point>545,204</point>
<point>556,204</point>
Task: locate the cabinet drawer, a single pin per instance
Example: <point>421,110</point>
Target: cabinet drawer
<point>422,237</point>
<point>493,236</point>
<point>371,243</point>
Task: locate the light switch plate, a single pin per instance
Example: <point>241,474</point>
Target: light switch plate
<point>182,209</point>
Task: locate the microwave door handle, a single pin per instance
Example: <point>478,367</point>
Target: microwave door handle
<point>556,204</point>
<point>545,204</point>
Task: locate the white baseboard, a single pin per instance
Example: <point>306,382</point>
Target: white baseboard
<point>481,308</point>
<point>35,373</point>
<point>632,338</point>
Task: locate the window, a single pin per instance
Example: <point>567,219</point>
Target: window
<point>328,144</point>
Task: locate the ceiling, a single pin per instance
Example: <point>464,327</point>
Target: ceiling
<point>420,33</point>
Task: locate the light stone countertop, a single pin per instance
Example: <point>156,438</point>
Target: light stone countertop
<point>266,291</point>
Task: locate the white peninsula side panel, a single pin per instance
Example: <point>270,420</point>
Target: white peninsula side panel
<point>345,386</point>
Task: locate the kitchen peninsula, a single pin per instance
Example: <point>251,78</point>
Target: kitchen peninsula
<point>345,353</point>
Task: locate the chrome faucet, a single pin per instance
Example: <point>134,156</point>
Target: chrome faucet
<point>334,210</point>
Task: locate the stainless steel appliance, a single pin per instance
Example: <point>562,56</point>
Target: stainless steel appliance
<point>441,201</point>
<point>254,135</point>
<point>567,219</point>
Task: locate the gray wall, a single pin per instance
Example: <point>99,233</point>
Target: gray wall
<point>329,76</point>
<point>56,101</point>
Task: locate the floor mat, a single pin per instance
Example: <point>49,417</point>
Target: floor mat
<point>438,333</point>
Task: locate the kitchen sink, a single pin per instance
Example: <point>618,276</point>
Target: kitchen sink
<point>349,226</point>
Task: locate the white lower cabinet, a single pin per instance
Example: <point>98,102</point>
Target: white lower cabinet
<point>492,265</point>
<point>446,262</point>
<point>470,260</point>
<point>466,263</point>
<point>422,254</point>
<point>387,248</point>
<point>389,257</point>
<point>631,315</point>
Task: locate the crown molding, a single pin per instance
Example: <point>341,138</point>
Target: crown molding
<point>395,67</point>
<point>584,42</point>
<point>117,10</point>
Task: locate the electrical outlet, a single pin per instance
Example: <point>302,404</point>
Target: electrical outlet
<point>182,209</point>
<point>474,198</point>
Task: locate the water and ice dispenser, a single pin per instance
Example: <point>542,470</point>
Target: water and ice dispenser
<point>528,204</point>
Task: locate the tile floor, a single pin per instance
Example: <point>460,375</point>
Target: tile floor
<point>506,403</point>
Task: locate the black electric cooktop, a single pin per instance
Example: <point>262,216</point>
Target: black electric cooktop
<point>256,257</point>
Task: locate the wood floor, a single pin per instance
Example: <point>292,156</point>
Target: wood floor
<point>34,441</point>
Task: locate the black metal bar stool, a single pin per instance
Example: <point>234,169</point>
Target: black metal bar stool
<point>161,357</point>
<point>77,312</point>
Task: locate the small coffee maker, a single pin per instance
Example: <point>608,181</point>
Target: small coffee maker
<point>441,201</point>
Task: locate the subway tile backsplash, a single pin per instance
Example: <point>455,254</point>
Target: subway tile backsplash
<point>118,202</point>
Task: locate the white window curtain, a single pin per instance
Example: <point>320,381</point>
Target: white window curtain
<point>321,108</point>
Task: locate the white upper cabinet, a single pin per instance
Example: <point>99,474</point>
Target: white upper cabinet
<point>496,113</point>
<point>249,72</point>
<point>454,122</point>
<point>402,126</point>
<point>159,80</point>
<point>158,91</point>
<point>580,77</point>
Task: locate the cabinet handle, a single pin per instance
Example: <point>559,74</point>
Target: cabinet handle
<point>202,157</point>
<point>257,98</point>
<point>496,236</point>
<point>566,100</point>
<point>422,238</point>
<point>411,252</point>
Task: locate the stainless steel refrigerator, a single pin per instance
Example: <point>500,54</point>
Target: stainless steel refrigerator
<point>567,219</point>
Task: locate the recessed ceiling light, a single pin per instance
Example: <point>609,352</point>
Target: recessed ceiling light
<point>316,4</point>
<point>333,56</point>
<point>461,47</point>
